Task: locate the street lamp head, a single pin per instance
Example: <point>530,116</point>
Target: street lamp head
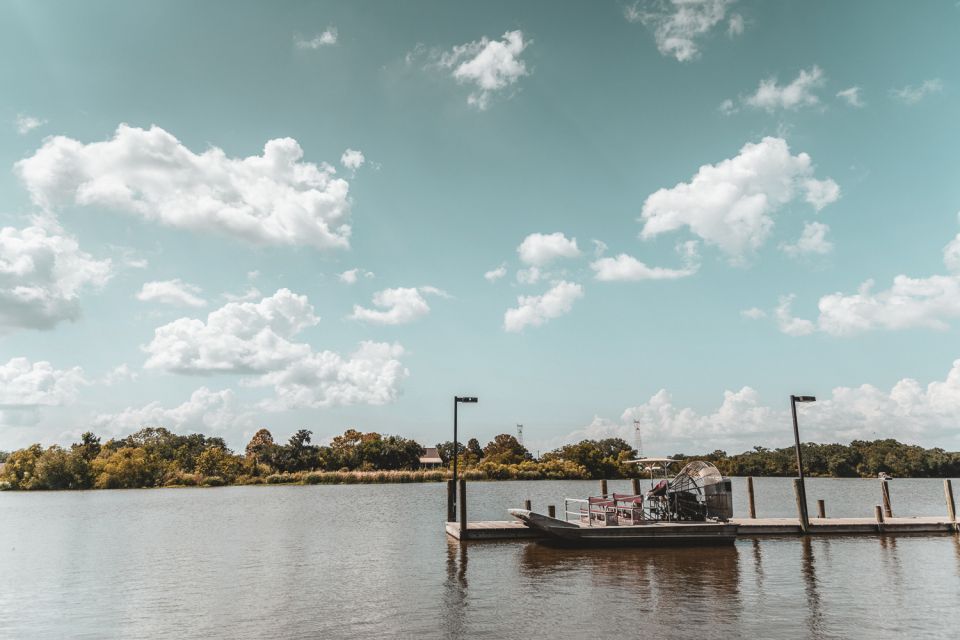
<point>466,398</point>
<point>804,399</point>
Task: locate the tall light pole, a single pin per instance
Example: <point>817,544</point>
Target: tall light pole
<point>796,439</point>
<point>456,445</point>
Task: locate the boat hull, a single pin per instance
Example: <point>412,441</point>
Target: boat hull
<point>654,534</point>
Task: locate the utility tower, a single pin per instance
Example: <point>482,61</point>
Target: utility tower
<point>520,434</point>
<point>638,438</point>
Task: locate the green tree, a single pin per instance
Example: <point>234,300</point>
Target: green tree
<point>127,468</point>
<point>505,449</point>
<point>216,461</point>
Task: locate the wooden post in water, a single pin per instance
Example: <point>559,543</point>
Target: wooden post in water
<point>885,493</point>
<point>801,511</point>
<point>821,509</point>
<point>526,505</point>
<point>451,505</point>
<point>603,487</point>
<point>951,506</point>
<point>635,485</point>
<point>551,511</point>
<point>878,512</point>
<point>753,508</point>
<point>463,509</point>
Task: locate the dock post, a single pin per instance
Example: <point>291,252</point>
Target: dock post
<point>451,504</point>
<point>635,485</point>
<point>753,508</point>
<point>821,509</point>
<point>948,495</point>
<point>885,493</point>
<point>551,511</point>
<point>603,487</point>
<point>801,507</point>
<point>463,509</point>
<point>526,505</point>
<point>878,512</point>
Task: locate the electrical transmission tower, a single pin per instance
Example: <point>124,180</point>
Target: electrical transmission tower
<point>638,438</point>
<point>520,434</point>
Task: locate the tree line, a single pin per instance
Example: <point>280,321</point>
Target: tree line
<point>154,457</point>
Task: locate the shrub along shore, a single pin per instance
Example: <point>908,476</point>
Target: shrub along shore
<point>156,457</point>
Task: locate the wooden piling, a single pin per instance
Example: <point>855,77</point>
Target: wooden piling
<point>885,494</point>
<point>878,512</point>
<point>753,508</point>
<point>526,505</point>
<point>451,504</point>
<point>551,511</point>
<point>603,487</point>
<point>948,495</point>
<point>463,509</point>
<point>821,509</point>
<point>635,485</point>
<point>801,508</point>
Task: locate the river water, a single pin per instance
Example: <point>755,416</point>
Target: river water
<point>372,561</point>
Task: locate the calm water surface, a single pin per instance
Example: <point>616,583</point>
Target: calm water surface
<point>366,561</point>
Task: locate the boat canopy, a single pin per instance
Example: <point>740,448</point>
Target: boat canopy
<point>698,474</point>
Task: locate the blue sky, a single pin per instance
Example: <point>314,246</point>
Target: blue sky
<point>585,214</point>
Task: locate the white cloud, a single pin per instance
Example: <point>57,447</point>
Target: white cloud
<point>679,24</point>
<point>599,248</point>
<point>252,293</point>
<point>350,276</point>
<point>256,339</point>
<point>174,292</point>
<point>852,97</point>
<point>787,323</point>
<point>534,311</point>
<point>753,313</point>
<point>728,108</point>
<point>352,159</point>
<point>398,306</point>
<point>530,275</point>
<point>25,123</point>
<point>539,249</point>
<point>274,199</point>
<point>730,204</point>
<point>800,93</point>
<point>912,95</point>
<point>24,384</point>
<point>120,373</point>
<point>735,25</point>
<point>326,39</point>
<point>205,411</point>
<point>951,254</point>
<point>813,240</point>
<point>625,268</point>
<point>495,274</point>
<point>42,274</point>
<point>489,65</point>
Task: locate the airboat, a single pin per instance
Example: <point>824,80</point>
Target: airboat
<point>693,507</point>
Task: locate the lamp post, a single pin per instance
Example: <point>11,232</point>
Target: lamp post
<point>456,446</point>
<point>805,524</point>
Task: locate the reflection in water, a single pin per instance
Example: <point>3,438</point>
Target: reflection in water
<point>455,591</point>
<point>809,571</point>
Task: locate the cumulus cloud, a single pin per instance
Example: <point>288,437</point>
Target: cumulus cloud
<point>352,159</point>
<point>174,292</point>
<point>350,276</point>
<point>852,97</point>
<point>490,66</point>
<point>495,274</point>
<point>813,240</point>
<point>25,384</point>
<point>26,123</point>
<point>257,339</point>
<point>273,199</point>
<point>120,373</point>
<point>678,25</point>
<point>628,268</point>
<point>534,311</point>
<point>397,306</point>
<point>252,293</point>
<point>912,95</point>
<point>42,275</point>
<point>730,204</point>
<point>539,249</point>
<point>787,323</point>
<point>770,96</point>
<point>327,38</point>
<point>753,313</point>
<point>205,411</point>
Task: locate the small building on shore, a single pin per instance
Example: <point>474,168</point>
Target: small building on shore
<point>431,458</point>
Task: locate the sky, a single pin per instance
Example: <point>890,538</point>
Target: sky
<point>653,219</point>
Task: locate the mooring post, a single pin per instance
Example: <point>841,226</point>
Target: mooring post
<point>635,485</point>
<point>451,505</point>
<point>821,509</point>
<point>753,508</point>
<point>948,494</point>
<point>885,493</point>
<point>463,509</point>
<point>526,505</point>
<point>603,487</point>
<point>552,511</point>
<point>801,510</point>
<point>878,512</point>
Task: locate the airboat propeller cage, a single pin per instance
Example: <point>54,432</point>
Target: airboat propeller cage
<point>704,479</point>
